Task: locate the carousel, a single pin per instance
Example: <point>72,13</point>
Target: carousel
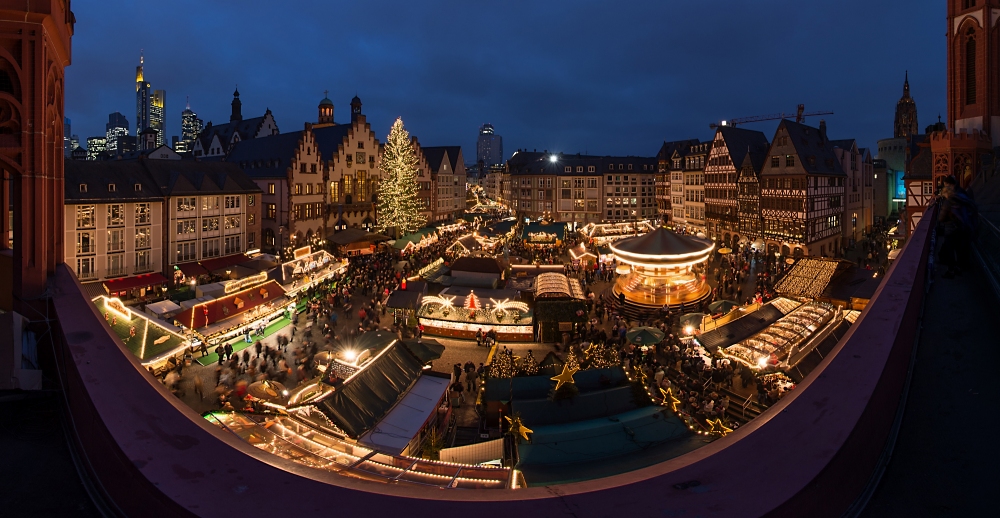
<point>660,269</point>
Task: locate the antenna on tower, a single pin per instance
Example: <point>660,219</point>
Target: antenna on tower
<point>187,99</point>
<point>141,55</point>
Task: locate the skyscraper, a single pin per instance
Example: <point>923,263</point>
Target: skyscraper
<point>191,126</point>
<point>157,115</point>
<point>117,127</point>
<point>95,146</point>
<point>66,134</point>
<point>142,100</point>
<point>489,148</point>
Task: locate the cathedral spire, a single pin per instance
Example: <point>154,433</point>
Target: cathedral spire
<point>906,84</point>
<point>906,112</point>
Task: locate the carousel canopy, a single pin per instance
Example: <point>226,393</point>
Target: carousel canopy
<point>662,242</point>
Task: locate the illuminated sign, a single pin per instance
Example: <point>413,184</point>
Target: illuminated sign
<point>302,252</point>
<point>239,284</point>
<point>116,306</point>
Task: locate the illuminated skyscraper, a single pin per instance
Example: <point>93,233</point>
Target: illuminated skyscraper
<point>95,146</point>
<point>117,127</point>
<point>489,148</point>
<point>157,115</point>
<point>191,126</point>
<point>142,100</point>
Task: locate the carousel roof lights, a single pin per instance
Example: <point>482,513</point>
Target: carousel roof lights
<point>664,265</point>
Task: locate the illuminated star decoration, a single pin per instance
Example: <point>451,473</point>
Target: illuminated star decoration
<point>517,427</point>
<point>640,375</point>
<point>566,376</point>
<point>718,427</point>
<point>669,399</point>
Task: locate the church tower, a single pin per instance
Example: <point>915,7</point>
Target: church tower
<point>973,92</point>
<point>237,107</point>
<point>356,109</point>
<point>906,113</point>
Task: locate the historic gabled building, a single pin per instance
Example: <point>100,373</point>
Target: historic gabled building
<point>314,181</point>
<point>729,148</point>
<point>802,192</point>
<point>692,178</point>
<point>857,165</point>
<point>919,182</point>
<point>668,164</point>
<point>218,140</point>
<point>447,177</point>
<point>751,222</point>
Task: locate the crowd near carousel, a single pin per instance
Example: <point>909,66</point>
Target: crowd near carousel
<point>492,352</point>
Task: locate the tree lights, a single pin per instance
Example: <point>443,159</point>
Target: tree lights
<point>398,204</point>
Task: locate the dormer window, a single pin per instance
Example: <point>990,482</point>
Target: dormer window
<point>112,188</point>
<point>138,187</point>
<point>83,187</point>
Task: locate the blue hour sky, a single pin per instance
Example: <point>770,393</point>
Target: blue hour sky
<point>601,77</point>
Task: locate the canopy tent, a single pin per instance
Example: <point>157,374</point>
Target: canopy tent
<point>403,422</point>
<point>425,349</point>
<point>644,335</point>
<point>192,269</point>
<point>220,263</point>
<point>401,299</point>
<point>365,397</point>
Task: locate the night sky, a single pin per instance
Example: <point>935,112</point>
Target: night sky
<point>575,76</point>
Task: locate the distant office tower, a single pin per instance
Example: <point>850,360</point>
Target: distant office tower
<point>117,127</point>
<point>191,126</point>
<point>96,146</point>
<point>66,134</point>
<point>489,149</point>
<point>157,115</point>
<point>74,142</point>
<point>142,99</point>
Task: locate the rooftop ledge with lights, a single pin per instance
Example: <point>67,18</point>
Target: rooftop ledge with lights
<point>147,454</point>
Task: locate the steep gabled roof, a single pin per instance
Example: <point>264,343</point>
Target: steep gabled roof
<point>681,147</point>
<point>177,177</point>
<point>99,175</point>
<point>810,143</point>
<point>438,153</point>
<point>266,157</point>
<point>921,166</point>
<point>741,142</point>
<point>329,139</point>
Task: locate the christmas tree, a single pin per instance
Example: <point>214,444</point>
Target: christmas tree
<point>502,365</point>
<point>398,204</point>
<point>529,367</point>
<point>571,360</point>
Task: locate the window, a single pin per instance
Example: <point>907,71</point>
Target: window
<point>298,188</point>
<point>970,69</point>
<point>142,214</point>
<point>210,203</point>
<point>142,237</point>
<point>309,210</point>
<point>232,245</point>
<point>186,252</point>
<point>348,181</point>
<point>116,240</point>
<point>186,204</point>
<point>112,187</point>
<point>116,265</point>
<point>334,192</point>
<point>251,239</point>
<point>232,202</point>
<point>319,188</point>
<point>309,188</point>
<point>186,228</point>
<point>86,243</point>
<point>296,212</point>
<point>775,161</point>
<point>789,161</point>
<point>85,268</point>
<point>271,211</point>
<point>362,190</point>
<point>85,216</point>
<point>83,187</point>
<point>232,222</point>
<point>270,188</point>
<point>319,209</point>
<point>210,248</point>
<point>142,261</point>
<point>116,215</point>
<point>251,219</point>
<point>209,224</point>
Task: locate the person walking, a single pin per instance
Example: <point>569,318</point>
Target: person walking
<point>199,387</point>
<point>229,351</point>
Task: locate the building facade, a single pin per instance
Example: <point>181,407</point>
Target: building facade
<point>191,127</point>
<point>749,216</point>
<point>116,128</point>
<point>973,59</point>
<point>489,146</point>
<point>669,160</point>
<point>729,148</point>
<point>447,179</point>
<point>802,193</point>
<point>95,147</point>
<point>858,189</point>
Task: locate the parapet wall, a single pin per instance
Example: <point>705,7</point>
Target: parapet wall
<point>811,454</point>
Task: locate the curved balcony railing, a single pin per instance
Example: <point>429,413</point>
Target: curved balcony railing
<point>811,454</point>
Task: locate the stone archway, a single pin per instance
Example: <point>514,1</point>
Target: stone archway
<point>798,253</point>
<point>785,251</point>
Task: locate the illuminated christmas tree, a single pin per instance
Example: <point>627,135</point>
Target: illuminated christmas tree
<point>398,202</point>
<point>502,365</point>
<point>529,367</point>
<point>571,360</point>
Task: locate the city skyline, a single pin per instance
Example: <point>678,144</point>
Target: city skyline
<point>659,83</point>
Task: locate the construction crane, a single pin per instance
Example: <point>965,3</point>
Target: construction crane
<point>800,117</point>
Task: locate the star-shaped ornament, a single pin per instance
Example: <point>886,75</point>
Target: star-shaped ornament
<point>518,428</point>
<point>718,427</point>
<point>669,399</point>
<point>566,376</point>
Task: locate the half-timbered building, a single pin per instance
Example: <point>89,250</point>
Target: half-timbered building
<point>920,186</point>
<point>802,193</point>
<point>751,224</point>
<point>729,147</point>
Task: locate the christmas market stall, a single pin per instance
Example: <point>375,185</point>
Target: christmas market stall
<point>308,268</point>
<point>466,245</point>
<point>559,305</point>
<point>416,240</point>
<point>356,241</point>
<point>604,233</point>
<point>661,269</point>
<point>771,348</point>
<point>465,313</point>
<point>151,341</point>
<point>544,234</point>
<point>241,307</point>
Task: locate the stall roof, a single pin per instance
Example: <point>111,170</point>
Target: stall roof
<point>557,228</point>
<point>499,228</point>
<point>224,262</point>
<point>355,235</point>
<point>405,419</point>
<point>414,238</point>
<point>425,349</point>
<point>161,307</point>
<point>470,243</point>
<point>741,328</point>
<point>367,396</point>
<point>138,281</point>
<point>400,299</point>
<point>192,269</point>
<point>477,264</point>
